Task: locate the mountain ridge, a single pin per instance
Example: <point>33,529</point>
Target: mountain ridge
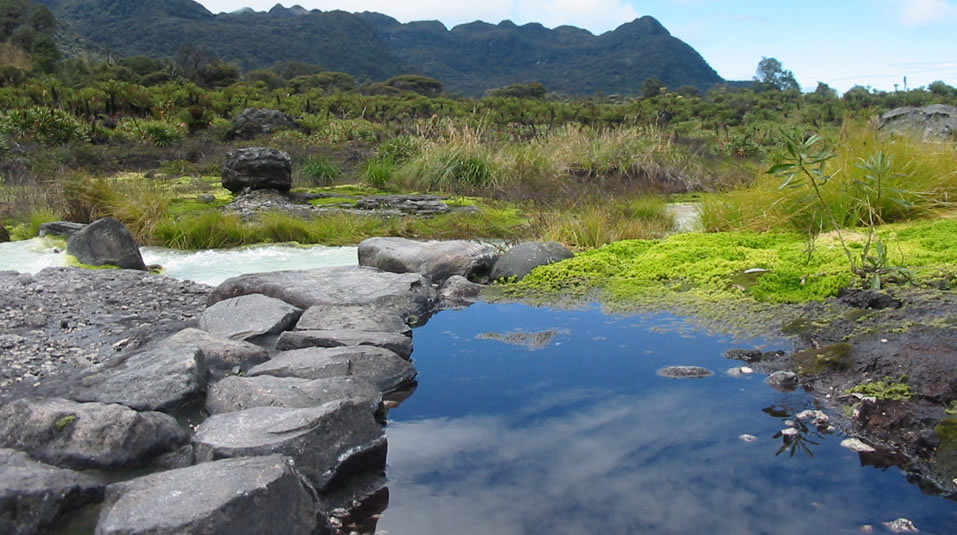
<point>469,58</point>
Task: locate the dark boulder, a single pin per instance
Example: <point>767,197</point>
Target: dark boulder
<point>33,495</point>
<point>4,234</point>
<point>106,242</point>
<point>236,496</point>
<point>257,168</point>
<point>254,122</point>
<point>521,259</point>
<point>84,435</point>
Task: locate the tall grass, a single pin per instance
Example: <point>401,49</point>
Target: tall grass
<point>922,182</point>
<point>142,205</point>
<point>600,223</point>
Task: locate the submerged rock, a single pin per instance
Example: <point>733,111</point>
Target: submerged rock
<point>685,372</point>
<point>84,435</point>
<point>106,242</point>
<point>33,495</point>
<point>533,341</point>
<point>901,525</point>
<point>329,442</point>
<point>856,445</point>
<point>246,496</point>
<point>379,366</point>
<point>437,260</point>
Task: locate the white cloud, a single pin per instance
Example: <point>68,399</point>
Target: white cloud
<point>595,15</point>
<point>921,12</point>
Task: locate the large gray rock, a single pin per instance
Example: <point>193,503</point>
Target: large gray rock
<point>437,260</point>
<point>222,356</point>
<point>521,259</point>
<point>106,242</point>
<point>353,317</point>
<point>166,375</point>
<point>406,295</point>
<point>33,495</point>
<point>240,393</point>
<point>235,496</point>
<point>396,342</point>
<point>328,443</point>
<point>379,366</point>
<point>254,122</point>
<point>249,316</point>
<point>937,121</point>
<point>257,168</point>
<point>66,433</point>
<point>458,292</point>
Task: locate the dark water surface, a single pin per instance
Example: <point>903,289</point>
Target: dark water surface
<point>581,436</point>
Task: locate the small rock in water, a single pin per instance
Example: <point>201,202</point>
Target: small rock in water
<point>685,372</point>
<point>789,432</point>
<point>854,444</point>
<point>902,525</point>
<point>747,438</point>
<point>817,417</point>
<point>783,380</point>
<point>746,370</point>
<point>866,528</point>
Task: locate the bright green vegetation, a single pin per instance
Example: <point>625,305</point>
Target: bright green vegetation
<point>952,409</point>
<point>64,421</point>
<point>887,388</point>
<point>704,264</point>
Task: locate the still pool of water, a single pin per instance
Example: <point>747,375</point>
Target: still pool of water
<point>580,435</point>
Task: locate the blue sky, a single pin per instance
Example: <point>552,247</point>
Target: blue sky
<point>839,42</point>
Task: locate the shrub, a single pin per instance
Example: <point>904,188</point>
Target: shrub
<point>319,171</point>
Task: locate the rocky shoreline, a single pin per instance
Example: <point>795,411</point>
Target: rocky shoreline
<point>267,393</point>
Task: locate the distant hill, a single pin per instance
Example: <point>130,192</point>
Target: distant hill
<point>469,58</point>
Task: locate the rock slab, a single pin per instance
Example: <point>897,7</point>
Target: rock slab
<point>937,121</point>
<point>398,343</point>
<point>257,168</point>
<point>33,495</point>
<point>437,260</point>
<point>164,376</point>
<point>406,295</point>
<point>85,435</point>
<point>236,496</point>
<point>222,356</point>
<point>379,366</point>
<point>326,442</point>
<point>240,393</point>
<point>249,316</point>
<point>106,242</point>
<point>521,259</point>
<point>353,317</point>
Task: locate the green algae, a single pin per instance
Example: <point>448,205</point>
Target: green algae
<point>946,431</point>
<point>887,388</point>
<point>63,422</point>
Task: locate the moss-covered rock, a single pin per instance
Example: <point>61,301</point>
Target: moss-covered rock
<point>835,357</point>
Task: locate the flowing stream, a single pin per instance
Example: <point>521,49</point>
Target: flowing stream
<point>533,420</point>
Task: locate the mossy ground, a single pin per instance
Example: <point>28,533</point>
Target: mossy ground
<point>707,266</point>
<point>887,388</point>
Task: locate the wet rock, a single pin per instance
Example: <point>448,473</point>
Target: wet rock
<point>59,228</point>
<point>379,366</point>
<point>254,122</point>
<point>856,445</point>
<point>236,496</point>
<point>257,168</point>
<point>396,342</point>
<point>356,317</point>
<point>328,442</point>
<point>4,234</point>
<point>937,121</point>
<point>740,371</point>
<point>239,393</point>
<point>83,435</point>
<point>872,299</point>
<point>458,292</point>
<point>521,259</point>
<point>436,260</point>
<point>685,372</point>
<point>164,376</point>
<point>222,356</point>
<point>106,242</point>
<point>747,438</point>
<point>249,316</point>
<point>747,355</point>
<point>834,357</point>
<point>406,295</point>
<point>782,380</point>
<point>33,495</point>
<point>815,417</point>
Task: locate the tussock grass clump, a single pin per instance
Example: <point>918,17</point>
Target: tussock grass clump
<point>142,205</point>
<point>316,171</point>
<point>600,223</point>
<point>922,182</point>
